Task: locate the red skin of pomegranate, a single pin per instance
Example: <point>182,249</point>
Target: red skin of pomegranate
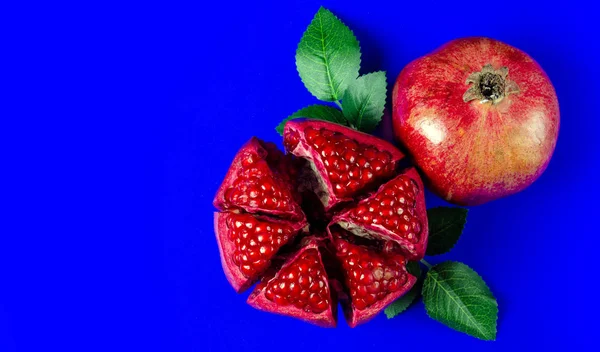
<point>234,275</point>
<point>261,223</point>
<point>258,155</point>
<point>413,251</point>
<point>355,316</point>
<point>477,146</point>
<point>296,142</point>
<point>326,318</point>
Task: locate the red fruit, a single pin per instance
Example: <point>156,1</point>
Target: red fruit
<point>247,243</point>
<point>396,212</point>
<point>256,183</point>
<point>373,278</point>
<point>345,162</point>
<point>299,289</point>
<point>263,201</point>
<point>480,118</point>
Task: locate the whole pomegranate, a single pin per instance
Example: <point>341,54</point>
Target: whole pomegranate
<point>479,117</point>
<point>334,219</point>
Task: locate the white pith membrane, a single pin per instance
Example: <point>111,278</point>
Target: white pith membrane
<point>310,179</point>
<point>381,234</point>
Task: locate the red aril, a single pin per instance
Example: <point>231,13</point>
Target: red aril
<point>254,184</point>
<point>299,289</point>
<point>263,201</point>
<point>247,244</point>
<point>373,278</point>
<point>344,162</point>
<point>396,212</point>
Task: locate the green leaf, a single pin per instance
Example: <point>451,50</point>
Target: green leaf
<point>457,296</point>
<point>445,227</point>
<point>364,101</point>
<point>328,57</point>
<point>319,112</point>
<point>414,268</point>
<point>404,302</point>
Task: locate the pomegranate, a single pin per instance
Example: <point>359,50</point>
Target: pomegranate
<point>299,289</point>
<point>374,277</point>
<point>256,183</point>
<point>393,213</point>
<point>345,162</point>
<point>479,117</point>
<point>365,216</point>
<point>248,243</point>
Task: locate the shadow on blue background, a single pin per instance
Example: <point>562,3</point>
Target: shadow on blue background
<point>121,124</point>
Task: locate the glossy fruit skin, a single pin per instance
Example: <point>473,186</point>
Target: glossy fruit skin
<point>474,152</point>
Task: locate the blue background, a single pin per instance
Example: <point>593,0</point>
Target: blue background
<point>119,123</point>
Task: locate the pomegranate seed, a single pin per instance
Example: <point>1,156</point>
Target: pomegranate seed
<point>255,242</point>
<point>343,177</point>
<point>303,295</point>
<point>291,140</point>
<point>370,153</point>
<point>260,183</point>
<point>394,209</point>
<point>359,304</point>
<point>378,220</point>
<point>349,144</point>
<point>328,151</point>
<point>311,133</point>
<point>333,176</point>
<point>249,159</point>
<point>321,306</point>
<point>373,275</point>
<point>326,133</point>
<point>361,210</point>
<point>348,158</point>
<point>302,283</point>
<point>371,298</point>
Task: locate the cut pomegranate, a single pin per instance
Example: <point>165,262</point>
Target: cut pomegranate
<point>360,235</point>
<point>373,278</point>
<point>396,212</point>
<point>247,243</point>
<point>345,162</point>
<point>299,289</point>
<point>255,184</point>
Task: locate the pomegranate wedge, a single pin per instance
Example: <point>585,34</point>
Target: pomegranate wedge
<point>299,289</point>
<point>247,243</point>
<point>343,161</point>
<point>373,278</point>
<point>396,212</point>
<point>254,184</point>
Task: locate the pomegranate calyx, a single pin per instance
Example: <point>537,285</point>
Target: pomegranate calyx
<point>490,85</point>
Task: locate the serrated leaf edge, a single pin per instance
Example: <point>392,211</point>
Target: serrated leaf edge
<point>412,301</point>
<point>461,231</point>
<point>486,285</point>
<point>296,115</point>
<point>366,101</point>
<point>336,96</point>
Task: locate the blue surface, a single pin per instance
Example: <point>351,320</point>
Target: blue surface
<point>121,124</point>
